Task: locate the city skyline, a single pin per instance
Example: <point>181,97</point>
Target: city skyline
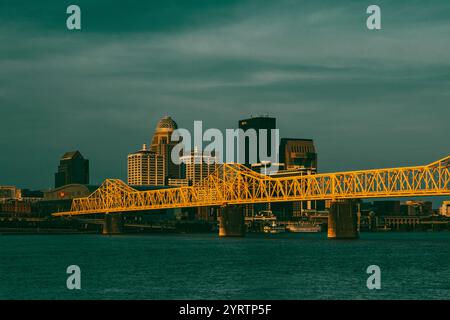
<point>437,201</point>
<point>379,87</point>
<point>225,158</point>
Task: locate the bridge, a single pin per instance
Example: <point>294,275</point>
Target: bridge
<point>234,184</point>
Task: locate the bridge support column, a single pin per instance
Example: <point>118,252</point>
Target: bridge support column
<point>231,222</point>
<point>113,224</point>
<point>342,220</point>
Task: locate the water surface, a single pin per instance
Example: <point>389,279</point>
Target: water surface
<point>202,266</point>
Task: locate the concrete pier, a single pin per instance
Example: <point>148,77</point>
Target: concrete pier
<point>342,220</point>
<point>231,222</point>
<point>113,224</point>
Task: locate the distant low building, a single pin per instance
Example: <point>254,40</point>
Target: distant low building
<point>69,192</point>
<point>32,195</point>
<point>60,199</point>
<point>386,207</point>
<point>9,193</point>
<point>18,201</point>
<point>416,208</point>
<point>444,210</point>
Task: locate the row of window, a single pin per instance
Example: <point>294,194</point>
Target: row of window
<point>302,149</point>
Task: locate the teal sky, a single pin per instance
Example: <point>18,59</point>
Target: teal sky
<point>368,98</point>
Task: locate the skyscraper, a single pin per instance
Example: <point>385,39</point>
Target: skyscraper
<point>257,123</point>
<point>73,168</point>
<point>162,145</point>
<point>146,167</point>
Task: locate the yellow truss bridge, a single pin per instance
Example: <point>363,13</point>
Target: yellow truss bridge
<point>233,184</point>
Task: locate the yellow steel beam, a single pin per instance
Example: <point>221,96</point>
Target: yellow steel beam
<point>236,184</point>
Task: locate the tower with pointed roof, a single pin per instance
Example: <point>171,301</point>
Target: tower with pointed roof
<point>73,168</point>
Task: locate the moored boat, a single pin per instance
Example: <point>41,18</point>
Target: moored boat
<point>303,227</point>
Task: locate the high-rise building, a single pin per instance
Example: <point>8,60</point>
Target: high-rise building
<point>198,166</point>
<point>178,182</point>
<point>73,168</point>
<point>146,167</point>
<point>257,123</point>
<point>298,154</point>
<point>162,145</point>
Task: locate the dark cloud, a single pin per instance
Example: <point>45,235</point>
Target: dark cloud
<point>369,99</point>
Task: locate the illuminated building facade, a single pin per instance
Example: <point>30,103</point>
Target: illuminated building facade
<point>198,166</point>
<point>146,167</point>
<point>162,145</point>
<point>298,154</point>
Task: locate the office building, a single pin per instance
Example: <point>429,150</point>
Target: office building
<point>162,145</point>
<point>298,154</point>
<point>198,166</point>
<point>73,168</point>
<point>178,182</point>
<point>146,167</point>
<point>257,123</point>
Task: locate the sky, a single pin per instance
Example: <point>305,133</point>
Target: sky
<point>369,99</point>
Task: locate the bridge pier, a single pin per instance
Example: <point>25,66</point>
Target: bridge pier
<point>231,221</point>
<point>342,220</point>
<point>113,224</point>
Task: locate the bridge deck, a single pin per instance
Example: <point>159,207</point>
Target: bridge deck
<point>236,184</point>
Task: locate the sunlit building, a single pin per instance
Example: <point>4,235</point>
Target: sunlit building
<point>444,210</point>
<point>178,182</point>
<point>9,193</point>
<point>298,154</point>
<point>198,166</point>
<point>146,167</point>
<point>162,145</point>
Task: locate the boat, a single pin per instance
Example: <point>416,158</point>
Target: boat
<point>384,228</point>
<point>303,227</point>
<point>274,228</point>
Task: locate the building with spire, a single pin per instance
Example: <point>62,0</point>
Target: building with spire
<point>162,145</point>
